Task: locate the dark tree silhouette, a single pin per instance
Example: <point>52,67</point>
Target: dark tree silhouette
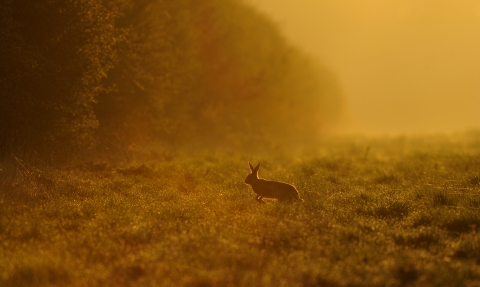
<point>80,73</point>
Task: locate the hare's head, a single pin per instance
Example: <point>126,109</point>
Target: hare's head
<point>252,177</point>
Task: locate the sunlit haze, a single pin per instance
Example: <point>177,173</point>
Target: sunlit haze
<point>405,66</point>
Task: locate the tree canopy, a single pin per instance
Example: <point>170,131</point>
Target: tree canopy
<point>80,74</point>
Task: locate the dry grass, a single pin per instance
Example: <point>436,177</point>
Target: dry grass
<point>405,213</point>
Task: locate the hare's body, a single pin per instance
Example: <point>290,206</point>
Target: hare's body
<point>270,189</point>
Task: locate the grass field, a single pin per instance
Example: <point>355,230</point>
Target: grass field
<point>384,211</point>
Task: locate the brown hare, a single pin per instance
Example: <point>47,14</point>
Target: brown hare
<point>284,192</point>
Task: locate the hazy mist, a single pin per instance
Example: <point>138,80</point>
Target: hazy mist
<point>405,66</point>
<point>117,76</point>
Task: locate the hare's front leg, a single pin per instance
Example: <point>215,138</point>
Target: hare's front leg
<point>259,199</point>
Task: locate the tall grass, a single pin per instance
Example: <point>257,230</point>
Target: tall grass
<point>405,215</point>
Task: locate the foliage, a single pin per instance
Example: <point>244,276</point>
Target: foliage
<point>120,73</point>
<point>54,56</point>
<point>191,221</point>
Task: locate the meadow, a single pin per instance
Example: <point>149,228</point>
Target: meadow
<point>376,211</point>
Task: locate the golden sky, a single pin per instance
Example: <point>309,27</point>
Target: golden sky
<point>405,66</point>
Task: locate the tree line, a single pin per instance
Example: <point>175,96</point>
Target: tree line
<point>80,75</point>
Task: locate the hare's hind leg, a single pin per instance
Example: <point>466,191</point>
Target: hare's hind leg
<point>259,199</point>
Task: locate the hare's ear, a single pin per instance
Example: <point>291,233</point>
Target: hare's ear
<point>256,168</point>
<point>251,167</point>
